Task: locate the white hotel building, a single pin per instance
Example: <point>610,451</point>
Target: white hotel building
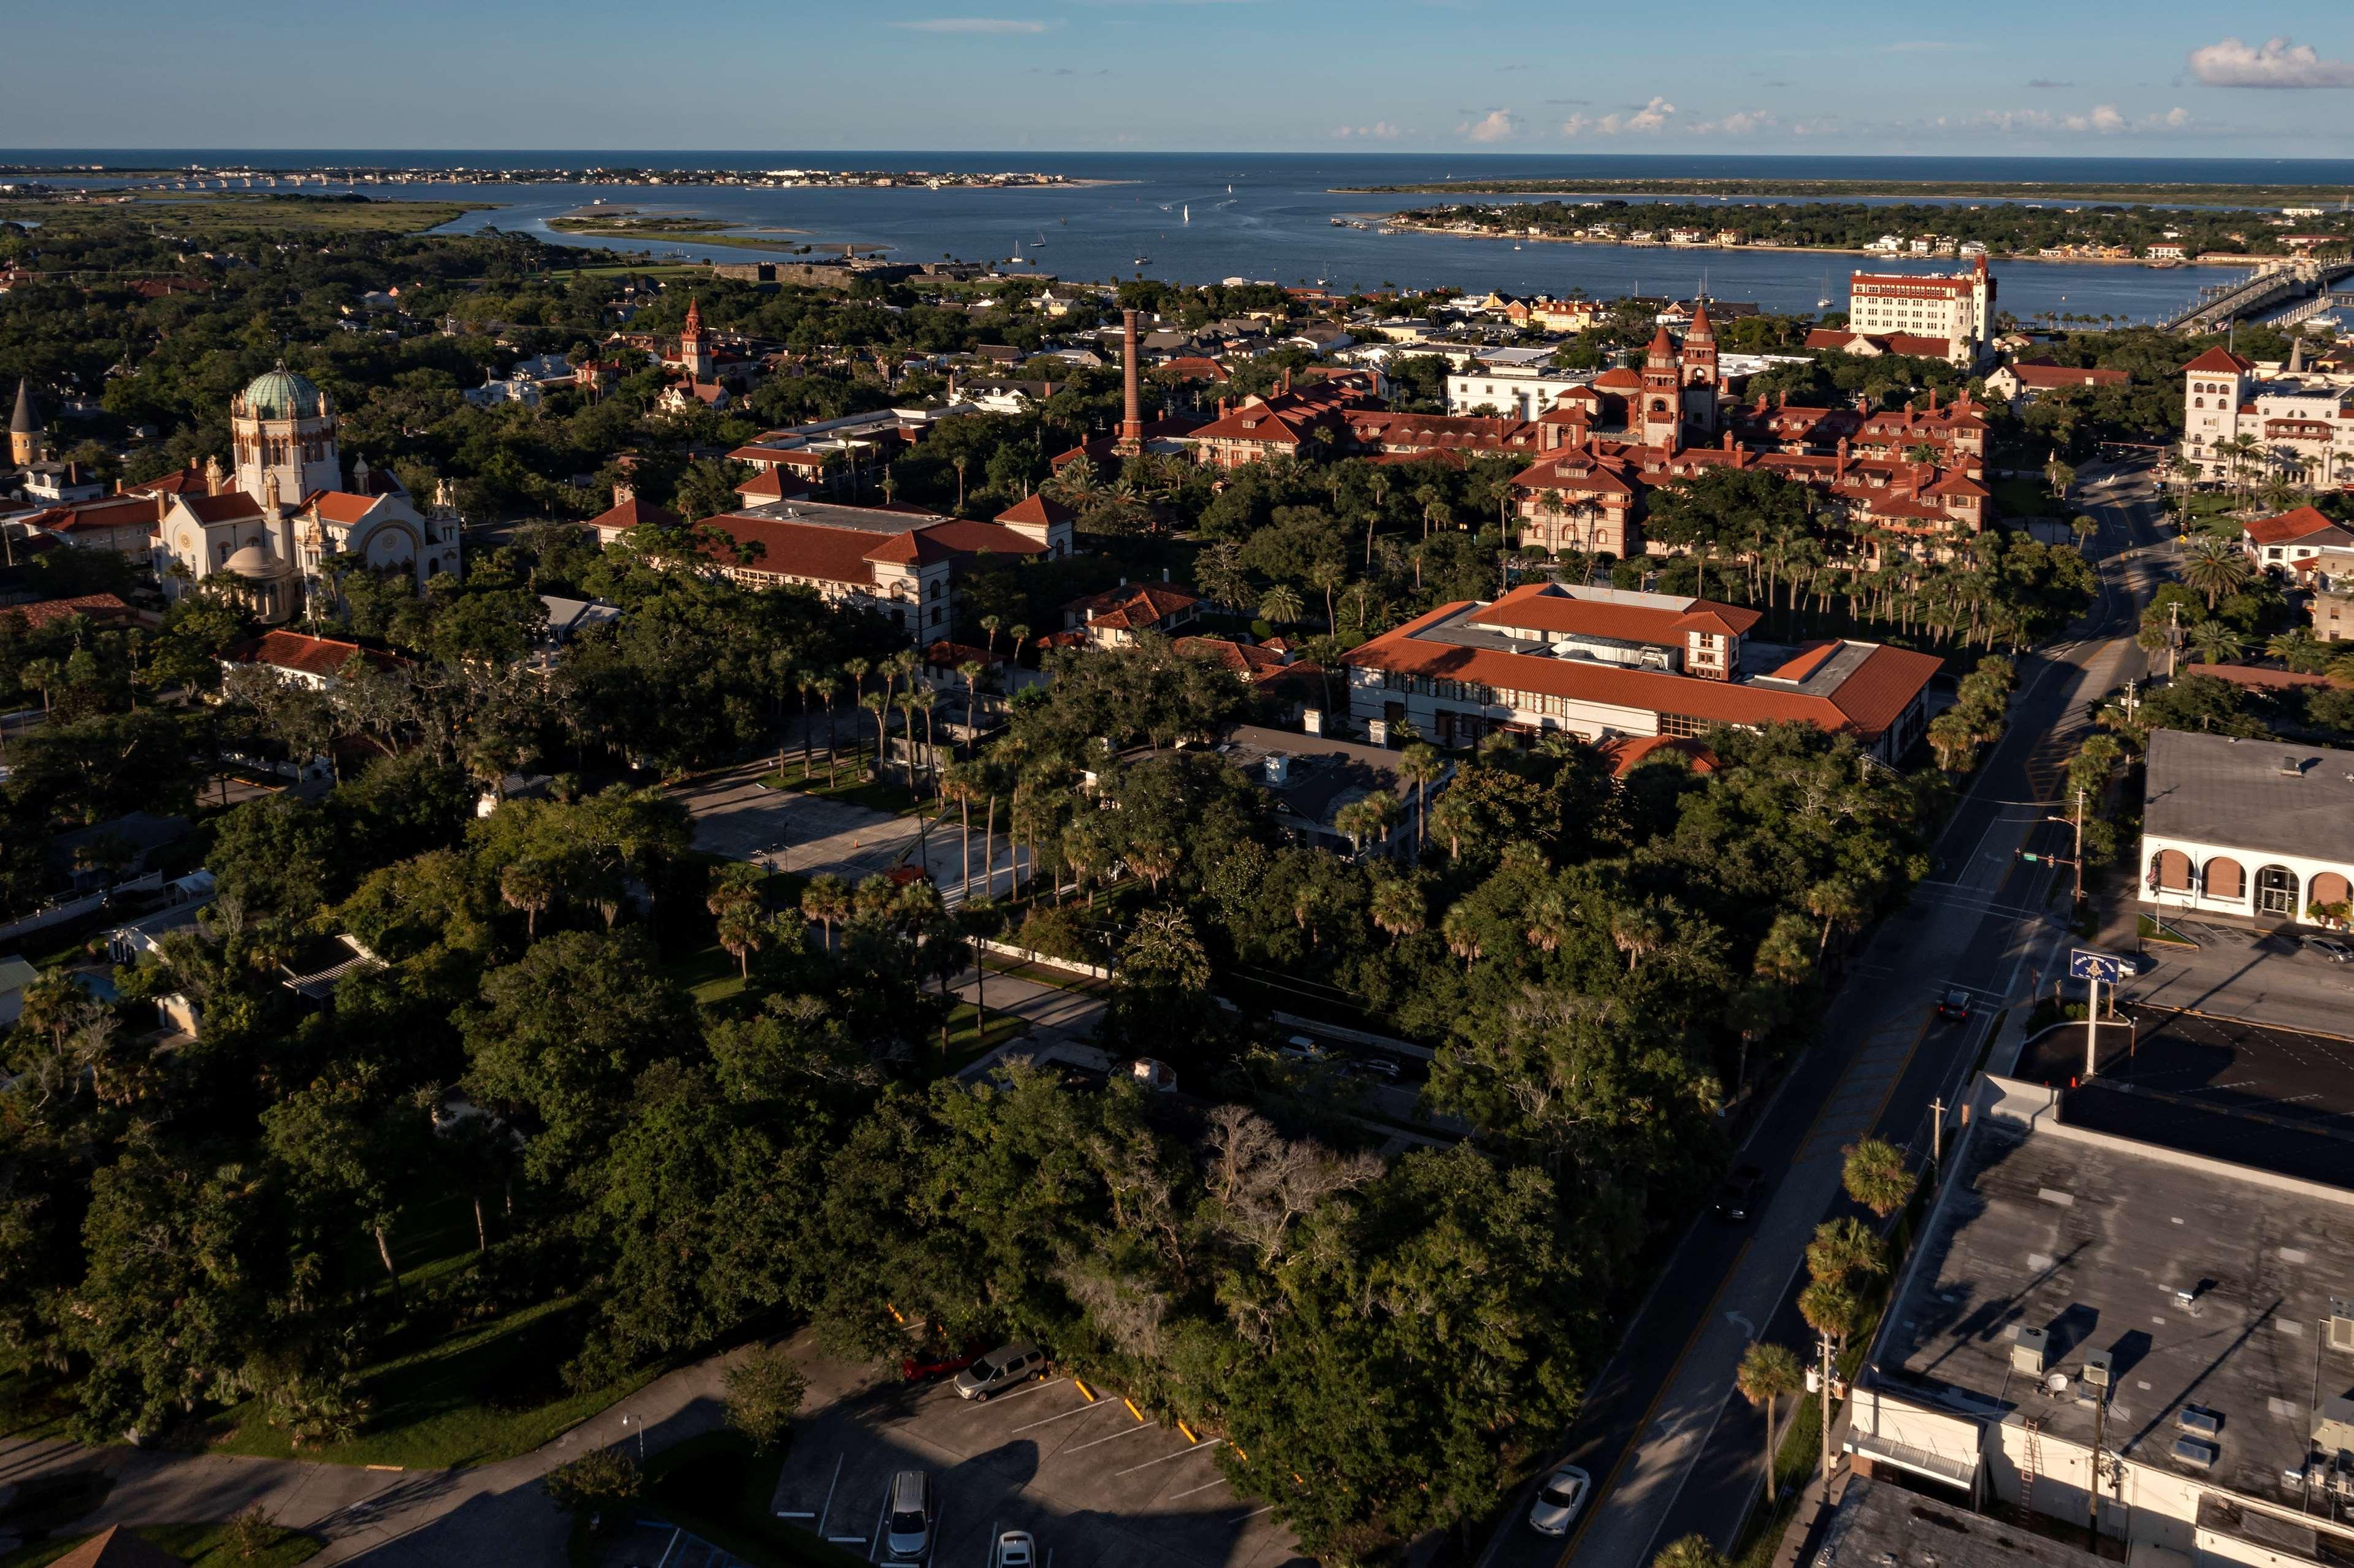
<point>1958,307</point>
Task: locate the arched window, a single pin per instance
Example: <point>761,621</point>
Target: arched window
<point>2225,878</point>
<point>2169,872</point>
<point>2330,892</point>
<point>2276,891</point>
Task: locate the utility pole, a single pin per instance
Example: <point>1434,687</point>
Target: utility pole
<point>1825,1343</point>
<point>2078,864</point>
<point>1938,1134</point>
<point>2092,1024</point>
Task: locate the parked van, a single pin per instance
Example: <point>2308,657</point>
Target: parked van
<point>908,1532</point>
<point>999,1370</point>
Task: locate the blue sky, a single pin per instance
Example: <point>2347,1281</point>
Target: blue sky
<point>2157,78</point>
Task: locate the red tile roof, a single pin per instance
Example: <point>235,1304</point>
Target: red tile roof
<point>2217,362</point>
<point>1625,753</point>
<point>340,505</point>
<point>633,512</point>
<point>228,506</point>
<point>2054,376</point>
<point>113,512</point>
<point>1132,609</point>
<point>2290,527</point>
<point>961,537</point>
<point>188,481</point>
<point>1196,368</point>
<point>1542,606</point>
<point>48,611</point>
<point>1867,702</point>
<point>803,550</point>
<point>311,655</point>
<point>1037,511</point>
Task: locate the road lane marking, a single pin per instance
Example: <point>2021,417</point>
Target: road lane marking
<point>1166,1458</point>
<point>1050,1420</point>
<point>1205,1486</point>
<point>1125,1432</point>
<point>1707,1321</point>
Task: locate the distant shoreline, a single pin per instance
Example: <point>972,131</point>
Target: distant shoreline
<point>1401,225</point>
<point>2186,193</point>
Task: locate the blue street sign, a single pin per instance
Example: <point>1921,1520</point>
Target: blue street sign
<point>2083,963</point>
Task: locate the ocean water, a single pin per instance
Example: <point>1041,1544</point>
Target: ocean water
<point>1201,218</point>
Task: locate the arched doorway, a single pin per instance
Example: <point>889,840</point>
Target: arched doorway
<point>2169,872</point>
<point>2225,879</point>
<point>2276,892</point>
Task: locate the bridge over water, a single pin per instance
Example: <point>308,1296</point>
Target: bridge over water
<point>2305,286</point>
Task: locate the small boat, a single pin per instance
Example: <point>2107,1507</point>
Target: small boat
<point>1142,262</point>
<point>1189,215</point>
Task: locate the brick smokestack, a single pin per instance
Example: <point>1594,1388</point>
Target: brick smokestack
<point>1131,423</point>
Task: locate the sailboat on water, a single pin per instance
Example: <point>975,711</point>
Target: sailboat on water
<point>1825,302</point>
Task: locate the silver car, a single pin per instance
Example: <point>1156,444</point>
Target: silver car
<point>1560,1500</point>
<point>1015,1549</point>
<point>1001,1369</point>
<point>908,1532</point>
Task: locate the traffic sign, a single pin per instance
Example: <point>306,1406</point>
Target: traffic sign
<point>2083,963</point>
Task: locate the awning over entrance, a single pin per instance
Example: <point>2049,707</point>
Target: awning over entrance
<point>1943,1467</point>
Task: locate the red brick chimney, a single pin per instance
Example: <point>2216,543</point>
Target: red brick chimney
<point>1131,423</point>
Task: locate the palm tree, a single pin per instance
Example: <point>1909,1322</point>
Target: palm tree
<point>1831,1309</point>
<point>1874,1176</point>
<point>1366,820</point>
<point>2217,644</point>
<point>530,886</point>
<point>2215,567</point>
<point>1690,1552</point>
<point>970,670</point>
<point>990,624</point>
<point>1281,605</point>
<point>1397,906</point>
<point>1461,931</point>
<point>742,931</point>
<point>2294,648</point>
<point>1328,575</point>
<point>923,701</point>
<point>826,899</point>
<point>963,783</point>
<point>1420,765</point>
<point>879,705</point>
<point>1768,1373</point>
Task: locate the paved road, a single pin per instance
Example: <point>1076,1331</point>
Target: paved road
<point>1674,1449</point>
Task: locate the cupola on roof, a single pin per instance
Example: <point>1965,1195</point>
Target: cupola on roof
<point>283,394</point>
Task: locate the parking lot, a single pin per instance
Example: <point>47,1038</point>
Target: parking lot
<point>734,815</point>
<point>2239,973</point>
<point>1097,1485</point>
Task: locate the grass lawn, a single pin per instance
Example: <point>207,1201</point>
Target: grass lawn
<point>32,1403</point>
<point>486,1394</point>
<point>2014,497</point>
<point>967,1044</point>
<point>708,974</point>
<point>205,1545</point>
<point>199,213</point>
<point>854,788</point>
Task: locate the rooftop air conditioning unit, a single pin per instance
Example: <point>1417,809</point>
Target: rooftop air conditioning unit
<point>2027,1351</point>
<point>2341,1324</point>
<point>2098,1366</point>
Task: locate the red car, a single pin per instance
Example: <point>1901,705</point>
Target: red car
<point>919,1369</point>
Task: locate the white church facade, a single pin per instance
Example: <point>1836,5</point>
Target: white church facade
<point>271,535</point>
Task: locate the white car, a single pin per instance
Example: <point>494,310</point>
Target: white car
<point>1560,1500</point>
<point>1015,1550</point>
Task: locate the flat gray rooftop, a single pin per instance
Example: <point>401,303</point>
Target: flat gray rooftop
<point>826,514</point>
<point>2090,1240</point>
<point>1879,1525</point>
<point>2243,793</point>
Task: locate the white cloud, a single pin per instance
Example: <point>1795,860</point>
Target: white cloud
<point>1742,123</point>
<point>1498,126</point>
<point>1379,131</point>
<point>971,25</point>
<point>2278,63</point>
<point>2101,119</point>
<point>1652,116</point>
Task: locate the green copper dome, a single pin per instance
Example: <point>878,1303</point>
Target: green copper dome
<point>281,394</point>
